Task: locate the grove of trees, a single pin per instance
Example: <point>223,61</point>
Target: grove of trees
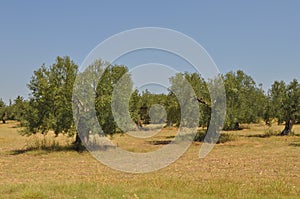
<point>283,104</point>
<point>49,107</point>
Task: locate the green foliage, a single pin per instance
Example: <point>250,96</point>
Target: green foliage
<point>277,97</point>
<point>185,88</point>
<point>2,104</point>
<point>201,90</point>
<point>2,110</point>
<point>285,100</point>
<point>84,94</point>
<point>173,110</point>
<point>96,86</point>
<point>50,107</point>
<point>17,110</point>
<point>50,103</point>
<point>147,101</point>
<point>135,105</point>
<point>245,101</point>
<point>284,104</point>
<point>105,89</point>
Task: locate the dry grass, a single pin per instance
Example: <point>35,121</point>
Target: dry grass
<point>252,166</point>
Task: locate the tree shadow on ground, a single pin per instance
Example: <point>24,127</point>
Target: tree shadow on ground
<point>170,137</point>
<point>260,136</point>
<point>267,135</point>
<point>295,144</point>
<point>160,142</point>
<point>48,149</point>
<point>66,148</point>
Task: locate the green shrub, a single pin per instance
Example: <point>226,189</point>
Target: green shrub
<point>224,137</point>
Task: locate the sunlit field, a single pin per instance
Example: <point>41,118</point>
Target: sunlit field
<point>252,164</point>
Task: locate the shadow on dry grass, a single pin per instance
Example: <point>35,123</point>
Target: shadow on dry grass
<point>223,138</point>
<point>295,144</point>
<point>260,136</point>
<point>160,142</point>
<point>48,149</point>
<point>267,135</point>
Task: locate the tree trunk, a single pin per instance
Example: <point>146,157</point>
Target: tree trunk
<point>4,118</point>
<point>139,124</point>
<point>237,126</point>
<point>288,128</point>
<point>77,144</point>
<point>77,139</point>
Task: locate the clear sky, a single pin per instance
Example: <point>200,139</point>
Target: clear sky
<point>261,38</point>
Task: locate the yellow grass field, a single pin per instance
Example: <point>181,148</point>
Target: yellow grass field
<point>251,166</point>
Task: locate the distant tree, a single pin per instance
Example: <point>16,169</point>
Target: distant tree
<point>2,111</point>
<point>18,109</point>
<point>173,110</point>
<point>284,104</point>
<point>156,114</point>
<point>135,107</point>
<point>146,101</point>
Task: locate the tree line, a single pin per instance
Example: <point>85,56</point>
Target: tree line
<point>49,107</point>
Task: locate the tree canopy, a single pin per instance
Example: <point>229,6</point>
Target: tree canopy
<point>50,103</point>
<point>284,104</point>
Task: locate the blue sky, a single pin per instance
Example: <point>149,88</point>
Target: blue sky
<point>259,37</point>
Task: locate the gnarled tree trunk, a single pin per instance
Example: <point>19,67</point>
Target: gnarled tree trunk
<point>139,124</point>
<point>288,127</point>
